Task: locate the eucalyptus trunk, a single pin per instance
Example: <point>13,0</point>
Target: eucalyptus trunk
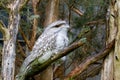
<point>52,12</point>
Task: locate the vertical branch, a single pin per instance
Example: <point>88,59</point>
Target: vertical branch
<point>30,43</point>
<point>69,16</point>
<point>35,4</point>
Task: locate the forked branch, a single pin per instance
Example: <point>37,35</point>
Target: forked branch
<point>4,31</point>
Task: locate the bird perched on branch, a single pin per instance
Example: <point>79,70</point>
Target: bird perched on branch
<point>52,40</point>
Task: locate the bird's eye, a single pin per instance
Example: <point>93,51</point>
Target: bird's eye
<point>58,25</point>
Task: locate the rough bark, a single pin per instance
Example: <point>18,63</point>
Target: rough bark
<point>107,71</point>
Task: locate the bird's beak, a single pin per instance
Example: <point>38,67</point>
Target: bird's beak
<point>67,26</point>
<point>69,29</point>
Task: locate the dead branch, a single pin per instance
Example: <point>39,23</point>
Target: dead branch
<point>77,11</point>
<point>100,21</point>
<point>89,61</point>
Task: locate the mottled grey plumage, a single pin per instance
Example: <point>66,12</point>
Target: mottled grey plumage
<point>53,39</point>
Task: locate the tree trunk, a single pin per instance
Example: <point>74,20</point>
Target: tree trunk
<point>108,71</point>
<point>8,54</point>
<point>52,12</point>
<point>117,44</point>
<point>10,34</point>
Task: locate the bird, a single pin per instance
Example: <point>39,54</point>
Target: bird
<point>53,39</point>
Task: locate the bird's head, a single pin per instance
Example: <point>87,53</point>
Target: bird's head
<point>58,26</point>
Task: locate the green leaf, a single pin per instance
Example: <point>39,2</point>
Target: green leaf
<point>33,17</point>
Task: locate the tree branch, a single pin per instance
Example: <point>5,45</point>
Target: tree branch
<point>4,31</point>
<point>21,50</point>
<point>89,61</point>
<point>77,11</point>
<point>2,27</point>
<point>91,71</point>
<point>23,3</point>
<point>34,68</point>
<point>2,5</point>
<point>35,4</point>
<point>99,21</point>
<point>25,38</point>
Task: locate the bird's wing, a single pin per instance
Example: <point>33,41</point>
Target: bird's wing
<point>46,42</point>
